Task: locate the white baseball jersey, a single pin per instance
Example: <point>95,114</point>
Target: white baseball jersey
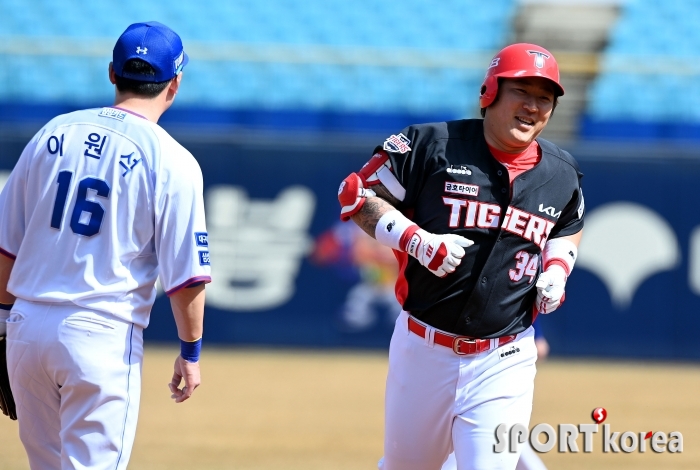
<point>101,203</point>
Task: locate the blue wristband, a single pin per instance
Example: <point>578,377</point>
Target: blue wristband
<point>189,350</point>
<point>7,307</point>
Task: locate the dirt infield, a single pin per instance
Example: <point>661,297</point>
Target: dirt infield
<point>295,410</point>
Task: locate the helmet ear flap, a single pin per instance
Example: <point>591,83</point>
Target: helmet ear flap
<point>489,90</point>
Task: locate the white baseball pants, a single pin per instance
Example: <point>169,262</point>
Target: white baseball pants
<point>76,377</point>
<point>528,461</point>
<point>438,402</point>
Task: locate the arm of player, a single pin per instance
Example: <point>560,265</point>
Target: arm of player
<point>558,260</point>
<point>188,310</point>
<point>378,217</point>
<point>374,208</point>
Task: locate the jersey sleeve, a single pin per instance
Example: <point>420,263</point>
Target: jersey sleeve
<point>571,219</point>
<point>406,166</point>
<point>13,202</point>
<point>181,239</point>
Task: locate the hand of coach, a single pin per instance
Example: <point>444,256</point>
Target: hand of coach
<point>188,310</point>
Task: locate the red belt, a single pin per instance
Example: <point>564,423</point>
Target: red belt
<point>461,345</point>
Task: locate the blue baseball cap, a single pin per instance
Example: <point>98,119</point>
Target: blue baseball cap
<point>154,43</point>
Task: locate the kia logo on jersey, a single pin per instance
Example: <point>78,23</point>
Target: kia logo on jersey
<point>550,211</point>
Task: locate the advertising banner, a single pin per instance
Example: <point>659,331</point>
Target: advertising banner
<point>287,272</point>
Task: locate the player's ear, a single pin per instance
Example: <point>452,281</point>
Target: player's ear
<point>174,86</point>
<point>111,75</point>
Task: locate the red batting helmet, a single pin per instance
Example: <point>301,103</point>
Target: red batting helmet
<point>516,61</point>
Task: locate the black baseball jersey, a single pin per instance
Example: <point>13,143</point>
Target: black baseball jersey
<point>453,184</point>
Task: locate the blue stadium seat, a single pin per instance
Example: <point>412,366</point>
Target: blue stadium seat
<point>378,26</point>
<point>656,44</point>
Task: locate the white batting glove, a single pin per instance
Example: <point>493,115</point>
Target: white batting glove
<point>441,254</point>
<point>550,289</point>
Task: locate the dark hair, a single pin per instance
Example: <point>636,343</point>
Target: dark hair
<point>498,94</point>
<point>137,87</point>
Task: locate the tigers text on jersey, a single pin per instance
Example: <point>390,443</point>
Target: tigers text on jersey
<point>101,203</point>
<point>450,183</point>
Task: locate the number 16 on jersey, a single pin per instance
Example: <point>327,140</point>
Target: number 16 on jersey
<point>87,215</point>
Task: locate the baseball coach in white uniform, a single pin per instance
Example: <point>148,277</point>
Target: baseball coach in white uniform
<point>101,203</point>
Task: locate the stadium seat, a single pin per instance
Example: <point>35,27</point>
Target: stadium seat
<point>358,34</point>
<point>647,69</point>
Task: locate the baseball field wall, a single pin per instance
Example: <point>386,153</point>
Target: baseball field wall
<point>284,272</point>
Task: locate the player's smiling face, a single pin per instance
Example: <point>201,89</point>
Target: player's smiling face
<point>519,114</point>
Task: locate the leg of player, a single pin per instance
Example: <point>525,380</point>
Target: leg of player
<point>529,460</point>
<point>77,373</point>
<point>492,397</point>
<point>419,408</point>
<point>30,392</point>
<point>450,463</point>
<point>437,400</point>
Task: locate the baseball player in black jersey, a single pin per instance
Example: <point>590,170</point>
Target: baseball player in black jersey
<point>485,220</point>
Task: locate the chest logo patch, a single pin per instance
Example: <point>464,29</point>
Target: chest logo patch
<point>397,144</point>
<point>461,188</point>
